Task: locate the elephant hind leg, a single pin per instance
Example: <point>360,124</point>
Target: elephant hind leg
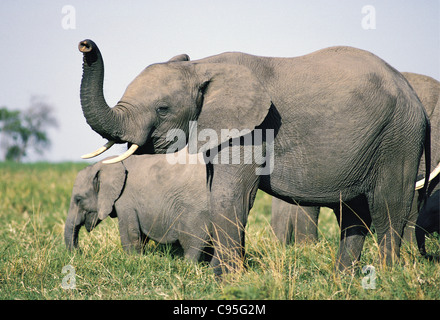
<point>354,222</point>
<point>390,212</point>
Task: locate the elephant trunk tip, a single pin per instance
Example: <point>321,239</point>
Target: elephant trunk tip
<point>85,46</point>
<point>71,244</point>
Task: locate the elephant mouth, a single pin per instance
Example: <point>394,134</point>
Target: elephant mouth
<point>155,143</point>
<point>71,233</point>
<point>92,221</point>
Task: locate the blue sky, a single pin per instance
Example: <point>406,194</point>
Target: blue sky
<point>40,57</point>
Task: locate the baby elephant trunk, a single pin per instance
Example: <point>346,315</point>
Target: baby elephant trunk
<point>71,231</point>
<point>77,218</point>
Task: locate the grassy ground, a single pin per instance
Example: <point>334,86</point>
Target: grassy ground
<point>34,199</point>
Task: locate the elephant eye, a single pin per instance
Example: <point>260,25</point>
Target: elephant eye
<point>77,199</point>
<point>162,110</point>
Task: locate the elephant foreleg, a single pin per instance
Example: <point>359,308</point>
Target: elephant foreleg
<point>132,237</point>
<point>231,196</point>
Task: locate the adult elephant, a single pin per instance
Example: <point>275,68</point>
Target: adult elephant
<point>300,224</point>
<point>346,126</point>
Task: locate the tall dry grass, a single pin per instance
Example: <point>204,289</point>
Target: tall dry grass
<point>34,199</point>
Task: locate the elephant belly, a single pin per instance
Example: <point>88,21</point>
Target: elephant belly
<point>155,227</point>
<point>308,197</point>
<point>311,180</point>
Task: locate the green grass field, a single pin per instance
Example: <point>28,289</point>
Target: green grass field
<point>34,199</point>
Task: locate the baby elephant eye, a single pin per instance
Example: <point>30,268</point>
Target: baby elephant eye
<point>77,199</point>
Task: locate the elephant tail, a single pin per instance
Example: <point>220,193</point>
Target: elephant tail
<point>422,185</point>
<point>423,193</point>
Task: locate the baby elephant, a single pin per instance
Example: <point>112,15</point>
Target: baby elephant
<point>152,199</point>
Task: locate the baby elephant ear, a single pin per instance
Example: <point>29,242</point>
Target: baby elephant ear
<point>231,97</point>
<point>109,185</point>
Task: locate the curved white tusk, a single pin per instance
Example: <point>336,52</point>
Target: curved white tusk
<point>434,173</point>
<point>123,156</point>
<point>105,147</point>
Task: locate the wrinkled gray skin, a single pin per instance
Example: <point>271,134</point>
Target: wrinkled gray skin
<point>151,198</point>
<point>428,219</point>
<point>301,222</point>
<point>346,124</point>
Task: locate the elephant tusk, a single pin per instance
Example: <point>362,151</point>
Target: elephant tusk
<point>123,156</point>
<point>434,173</point>
<point>105,147</point>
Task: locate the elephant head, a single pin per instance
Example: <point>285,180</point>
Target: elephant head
<point>167,96</point>
<point>94,193</point>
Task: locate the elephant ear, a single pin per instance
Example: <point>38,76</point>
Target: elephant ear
<point>230,97</point>
<point>109,185</point>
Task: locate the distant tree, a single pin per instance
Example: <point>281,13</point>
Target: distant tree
<point>26,130</point>
<point>10,126</point>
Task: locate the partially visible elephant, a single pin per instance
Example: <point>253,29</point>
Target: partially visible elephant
<point>151,198</point>
<point>337,124</point>
<point>292,223</point>
<point>428,221</point>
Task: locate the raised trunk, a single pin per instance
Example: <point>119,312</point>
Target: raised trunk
<point>98,114</point>
<point>123,123</point>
